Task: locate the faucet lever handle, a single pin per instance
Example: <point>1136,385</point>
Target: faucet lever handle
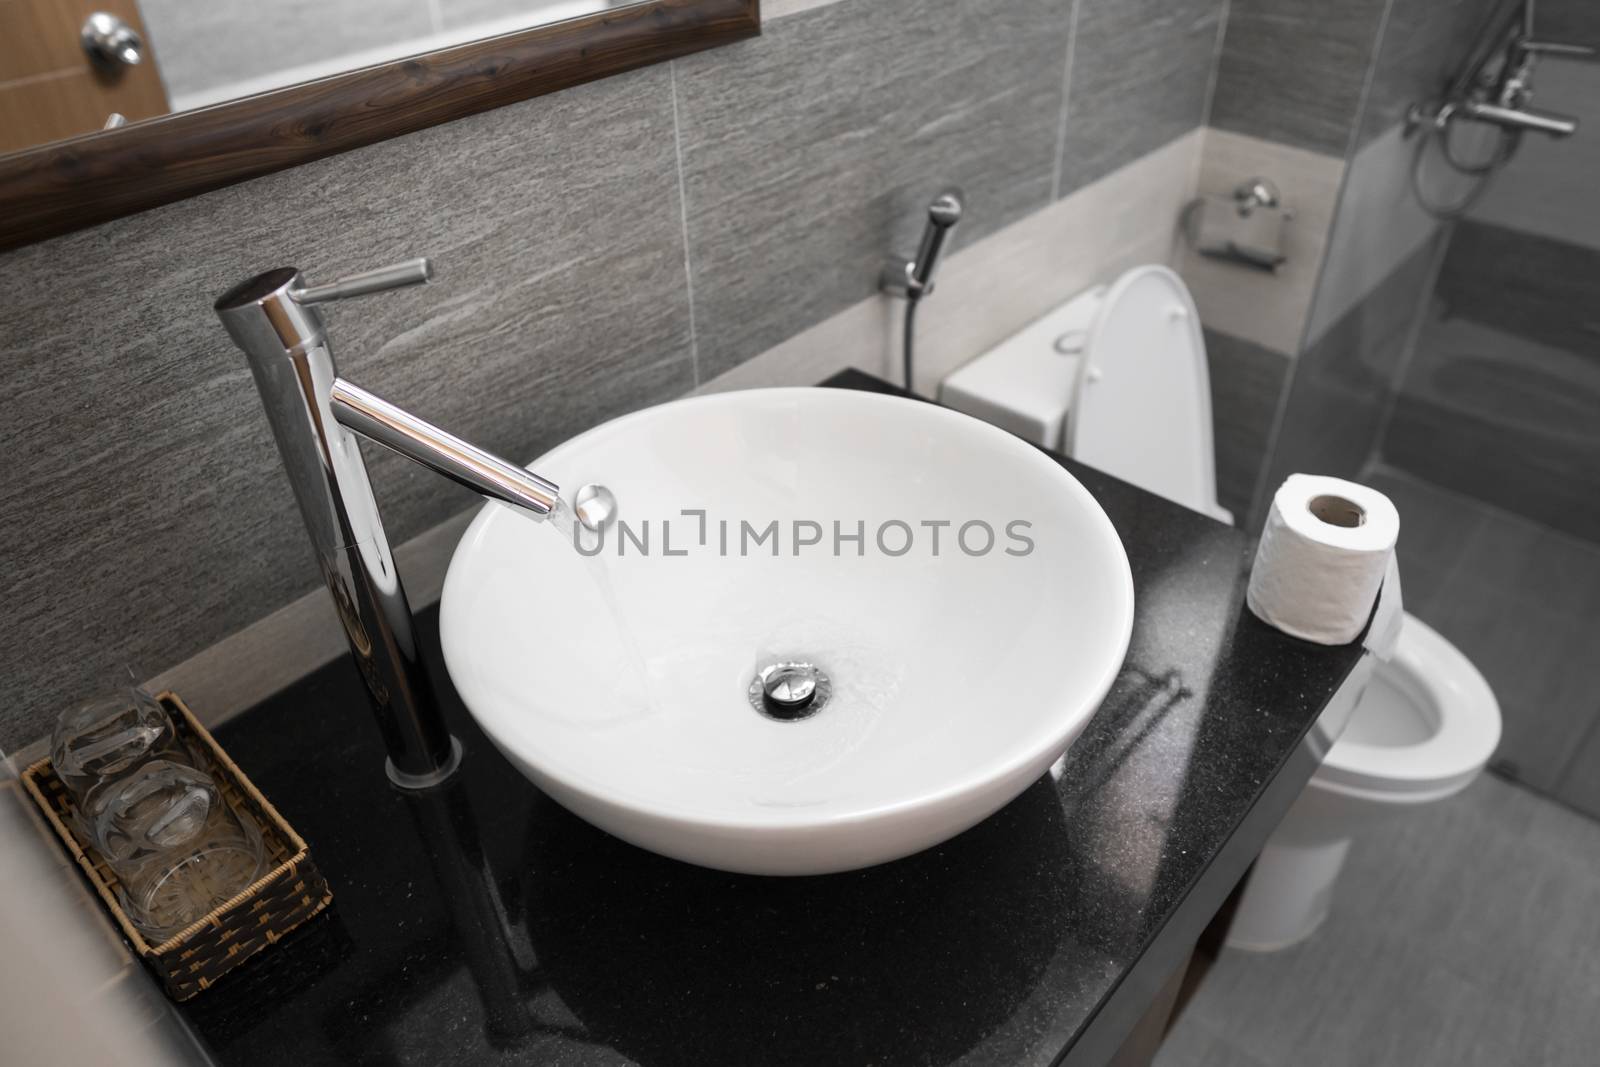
<point>395,276</point>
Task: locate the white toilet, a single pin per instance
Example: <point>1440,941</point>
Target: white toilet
<point>1117,377</point>
<point>1422,731</point>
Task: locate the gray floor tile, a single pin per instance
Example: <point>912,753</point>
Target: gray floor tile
<point>1462,933</point>
<point>812,152</point>
<point>1194,1042</point>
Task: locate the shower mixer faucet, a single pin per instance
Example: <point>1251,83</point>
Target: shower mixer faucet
<point>274,318</point>
<point>1501,93</point>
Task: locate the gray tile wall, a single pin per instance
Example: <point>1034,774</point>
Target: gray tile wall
<point>1502,397</point>
<point>1309,72</point>
<point>1247,383</point>
<point>1341,387</point>
<point>1424,43</point>
<point>142,512</point>
<point>810,152</point>
<point>1577,21</point>
<point>1151,58</point>
<point>1293,70</point>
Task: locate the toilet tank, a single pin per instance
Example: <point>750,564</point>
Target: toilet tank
<point>1116,378</point>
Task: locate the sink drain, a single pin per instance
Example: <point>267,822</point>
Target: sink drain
<point>789,692</point>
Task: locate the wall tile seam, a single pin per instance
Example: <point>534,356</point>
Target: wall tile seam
<point>1352,142</point>
<point>1216,69</point>
<point>1408,352</point>
<point>1257,498</point>
<point>1060,160</point>
<point>1350,149</point>
<point>683,224</point>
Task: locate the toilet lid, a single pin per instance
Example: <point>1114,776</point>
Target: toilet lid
<point>1449,693</point>
<point>1143,406</point>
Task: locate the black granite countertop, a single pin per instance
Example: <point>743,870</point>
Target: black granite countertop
<point>482,923</point>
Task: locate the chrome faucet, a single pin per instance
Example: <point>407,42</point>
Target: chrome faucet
<point>1495,84</point>
<point>273,317</point>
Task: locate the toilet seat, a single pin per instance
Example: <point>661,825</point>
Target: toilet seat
<point>1446,687</point>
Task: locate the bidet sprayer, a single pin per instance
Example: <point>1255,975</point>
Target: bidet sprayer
<point>912,278</point>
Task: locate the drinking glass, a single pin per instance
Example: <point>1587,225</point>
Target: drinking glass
<point>97,743</point>
<point>175,845</point>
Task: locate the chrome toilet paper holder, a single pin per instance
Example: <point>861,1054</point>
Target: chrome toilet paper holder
<point>1246,227</point>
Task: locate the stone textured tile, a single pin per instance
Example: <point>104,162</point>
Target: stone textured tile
<point>203,46</point>
<point>1194,1042</point>
<point>1500,396</point>
<point>1293,70</point>
<point>1461,935</point>
<point>1246,385</point>
<point>997,285</point>
<point>1139,78</point>
<point>1341,386</point>
<point>1424,44</point>
<point>143,514</point>
<point>1577,21</point>
<point>812,151</point>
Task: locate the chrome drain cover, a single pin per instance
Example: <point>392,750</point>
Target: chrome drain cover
<point>790,691</point>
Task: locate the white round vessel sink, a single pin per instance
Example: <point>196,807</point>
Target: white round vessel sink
<point>939,608</point>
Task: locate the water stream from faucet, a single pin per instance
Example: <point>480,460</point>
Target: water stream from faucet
<point>563,521</point>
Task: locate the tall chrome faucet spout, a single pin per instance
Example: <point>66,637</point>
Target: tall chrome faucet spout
<point>274,319</point>
<point>462,462</point>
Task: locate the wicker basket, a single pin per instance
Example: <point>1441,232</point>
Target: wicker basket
<point>291,891</point>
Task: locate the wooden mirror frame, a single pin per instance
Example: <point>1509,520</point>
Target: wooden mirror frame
<point>81,182</point>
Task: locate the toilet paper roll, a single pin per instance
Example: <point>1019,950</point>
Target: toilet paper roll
<point>1322,558</point>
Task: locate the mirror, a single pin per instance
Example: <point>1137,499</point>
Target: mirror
<point>114,106</point>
